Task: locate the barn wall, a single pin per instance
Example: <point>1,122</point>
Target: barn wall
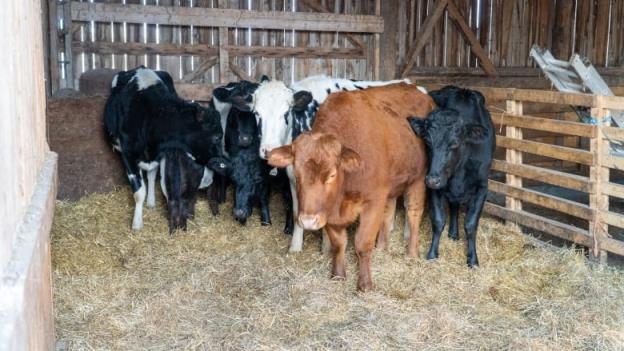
<point>26,186</point>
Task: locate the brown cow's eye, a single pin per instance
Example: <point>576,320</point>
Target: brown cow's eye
<point>331,177</point>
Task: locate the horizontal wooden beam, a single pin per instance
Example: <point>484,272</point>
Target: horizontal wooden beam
<point>551,202</point>
<point>103,47</point>
<point>613,189</point>
<point>196,92</point>
<point>544,175</point>
<point>614,162</point>
<point>231,18</point>
<point>542,224</point>
<point>545,124</point>
<point>502,71</point>
<point>548,150</point>
<point>210,50</point>
<point>299,52</point>
<point>316,6</point>
<point>614,219</point>
<point>613,133</point>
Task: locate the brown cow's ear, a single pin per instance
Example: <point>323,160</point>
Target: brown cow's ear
<point>350,160</point>
<point>282,156</point>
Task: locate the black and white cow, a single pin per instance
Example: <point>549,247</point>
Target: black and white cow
<point>220,101</point>
<point>253,178</point>
<point>142,113</point>
<point>285,112</point>
<point>461,141</point>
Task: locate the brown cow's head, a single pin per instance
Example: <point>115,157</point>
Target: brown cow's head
<point>320,164</point>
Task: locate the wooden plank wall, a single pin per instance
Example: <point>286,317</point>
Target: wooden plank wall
<point>508,28</point>
<point>180,66</point>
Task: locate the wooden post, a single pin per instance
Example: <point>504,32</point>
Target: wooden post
<point>513,157</point>
<point>224,59</point>
<point>53,55</point>
<point>599,176</point>
<point>377,59</point>
<point>68,36</point>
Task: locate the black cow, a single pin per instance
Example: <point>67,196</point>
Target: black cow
<point>252,176</point>
<point>461,141</point>
<point>222,98</point>
<point>142,113</point>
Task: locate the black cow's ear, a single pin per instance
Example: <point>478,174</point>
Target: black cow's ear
<point>241,102</point>
<point>301,100</point>
<point>282,156</point>
<point>264,78</point>
<point>350,160</point>
<point>222,94</point>
<point>476,134</point>
<point>418,125</point>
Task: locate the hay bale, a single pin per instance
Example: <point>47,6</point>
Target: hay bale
<point>87,162</point>
<point>224,286</point>
<point>97,81</point>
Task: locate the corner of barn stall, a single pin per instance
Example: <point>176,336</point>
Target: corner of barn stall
<point>553,176</point>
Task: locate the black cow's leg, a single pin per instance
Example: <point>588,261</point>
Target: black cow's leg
<point>453,231</point>
<point>135,178</point>
<point>222,189</point>
<point>471,223</point>
<point>213,196</point>
<point>287,195</point>
<point>438,219</point>
<point>265,214</point>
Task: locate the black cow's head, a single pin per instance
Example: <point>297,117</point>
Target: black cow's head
<point>446,134</point>
<point>239,94</point>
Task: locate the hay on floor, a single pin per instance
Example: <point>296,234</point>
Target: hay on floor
<point>224,286</point>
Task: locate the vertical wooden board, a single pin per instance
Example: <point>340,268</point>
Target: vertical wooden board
<point>563,29</point>
<point>620,38</point>
<point>484,27</point>
<point>601,32</point>
<point>101,32</point>
<point>583,26</point>
<point>133,33</point>
<point>403,27</point>
<point>168,63</point>
<point>428,50</point>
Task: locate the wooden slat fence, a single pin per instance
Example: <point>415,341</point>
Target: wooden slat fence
<point>208,42</point>
<point>593,223</point>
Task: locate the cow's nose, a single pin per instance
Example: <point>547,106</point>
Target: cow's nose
<point>240,214</point>
<point>309,222</point>
<point>433,182</point>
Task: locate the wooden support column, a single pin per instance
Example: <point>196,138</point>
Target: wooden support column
<point>513,157</point>
<point>377,58</point>
<point>68,36</point>
<point>599,176</point>
<point>224,59</point>
<point>53,55</point>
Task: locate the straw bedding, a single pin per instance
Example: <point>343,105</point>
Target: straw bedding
<point>222,286</point>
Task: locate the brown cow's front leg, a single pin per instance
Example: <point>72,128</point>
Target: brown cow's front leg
<point>338,238</point>
<point>416,197</point>
<point>388,223</point>
<point>370,222</point>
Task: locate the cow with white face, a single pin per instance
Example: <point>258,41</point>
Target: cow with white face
<point>285,112</point>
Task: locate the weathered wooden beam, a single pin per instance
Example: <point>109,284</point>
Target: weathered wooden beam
<point>102,47</point>
<point>209,50</point>
<point>239,72</point>
<point>201,69</point>
<point>220,17</point>
<point>299,52</point>
<point>475,46</point>
<point>316,6</point>
<point>423,35</point>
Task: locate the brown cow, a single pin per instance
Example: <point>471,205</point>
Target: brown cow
<point>359,157</point>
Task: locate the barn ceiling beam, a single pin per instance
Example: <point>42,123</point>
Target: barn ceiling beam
<point>230,18</point>
<point>427,29</point>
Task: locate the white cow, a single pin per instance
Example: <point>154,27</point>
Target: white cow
<point>285,112</point>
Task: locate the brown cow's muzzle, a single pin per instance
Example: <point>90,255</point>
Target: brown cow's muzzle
<point>311,222</point>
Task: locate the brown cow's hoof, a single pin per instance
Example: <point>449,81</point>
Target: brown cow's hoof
<point>338,274</point>
<point>365,285</point>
